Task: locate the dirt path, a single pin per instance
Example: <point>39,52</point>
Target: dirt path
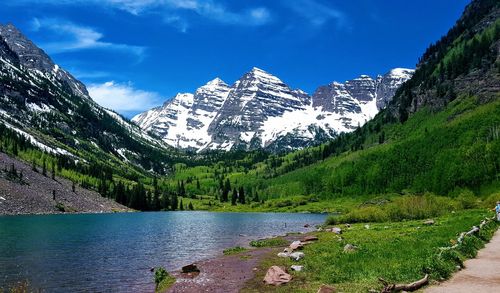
<point>225,274</point>
<point>481,274</point>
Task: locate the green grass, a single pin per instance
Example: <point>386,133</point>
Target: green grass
<point>397,251</point>
<point>234,250</point>
<point>271,242</point>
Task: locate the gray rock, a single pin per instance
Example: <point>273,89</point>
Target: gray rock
<point>350,248</point>
<point>296,256</point>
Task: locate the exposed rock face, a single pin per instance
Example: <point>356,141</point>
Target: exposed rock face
<point>253,99</point>
<point>34,59</point>
<point>261,111</point>
<point>45,104</point>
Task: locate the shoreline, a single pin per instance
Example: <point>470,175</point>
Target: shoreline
<point>229,273</point>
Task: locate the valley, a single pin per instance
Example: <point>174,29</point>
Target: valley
<point>409,156</point>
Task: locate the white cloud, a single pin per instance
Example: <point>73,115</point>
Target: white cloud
<point>123,97</point>
<point>74,37</point>
<point>209,9</point>
<point>317,13</point>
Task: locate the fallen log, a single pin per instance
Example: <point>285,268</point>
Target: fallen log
<point>390,288</point>
<point>460,239</point>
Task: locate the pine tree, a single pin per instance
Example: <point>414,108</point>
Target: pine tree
<point>33,166</point>
<point>256,197</point>
<point>197,184</point>
<point>381,138</point>
<point>165,201</point>
<point>234,197</point>
<point>73,187</point>
<point>241,195</point>
<point>183,189</point>
<point>44,168</point>
<point>53,171</point>
<point>181,206</point>
<point>174,202</point>
<point>190,206</point>
<point>225,191</point>
<point>12,172</point>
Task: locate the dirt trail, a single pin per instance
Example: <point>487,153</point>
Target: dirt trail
<point>481,274</point>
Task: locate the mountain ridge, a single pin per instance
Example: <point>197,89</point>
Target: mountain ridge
<point>245,115</point>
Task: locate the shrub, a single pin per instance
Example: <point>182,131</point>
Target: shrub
<point>417,207</point>
<point>361,215</point>
<point>411,207</point>
<point>467,200</point>
<point>163,280</point>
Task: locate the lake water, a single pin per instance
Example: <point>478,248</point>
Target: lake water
<point>113,252</point>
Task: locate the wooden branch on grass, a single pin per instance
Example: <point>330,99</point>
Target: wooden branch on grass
<point>390,288</point>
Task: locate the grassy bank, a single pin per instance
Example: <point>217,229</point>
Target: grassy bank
<point>397,251</point>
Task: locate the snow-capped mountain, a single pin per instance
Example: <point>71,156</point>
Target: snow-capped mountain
<point>53,110</point>
<point>261,111</point>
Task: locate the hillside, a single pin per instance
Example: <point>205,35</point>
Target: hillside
<point>48,119</point>
<point>26,190</point>
<point>439,135</point>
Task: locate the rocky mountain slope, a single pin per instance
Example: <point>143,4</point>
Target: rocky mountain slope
<point>46,105</point>
<point>261,111</point>
<point>30,192</point>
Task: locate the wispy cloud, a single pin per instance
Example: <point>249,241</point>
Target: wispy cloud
<point>317,13</point>
<point>172,10</point>
<point>73,37</point>
<point>123,97</point>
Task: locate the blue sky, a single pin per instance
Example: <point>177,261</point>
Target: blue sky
<point>135,54</point>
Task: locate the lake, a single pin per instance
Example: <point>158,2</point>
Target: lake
<point>114,252</point>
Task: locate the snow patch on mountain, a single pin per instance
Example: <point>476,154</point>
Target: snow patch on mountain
<point>259,109</point>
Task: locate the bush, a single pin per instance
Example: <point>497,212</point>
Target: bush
<point>163,280</point>
<point>467,200</point>
<point>491,200</point>
<point>416,207</point>
<point>361,215</point>
<point>411,207</point>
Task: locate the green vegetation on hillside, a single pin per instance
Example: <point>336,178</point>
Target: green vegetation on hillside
<point>447,144</point>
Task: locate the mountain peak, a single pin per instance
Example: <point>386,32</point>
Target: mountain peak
<point>401,72</point>
<point>263,75</point>
<point>215,82</point>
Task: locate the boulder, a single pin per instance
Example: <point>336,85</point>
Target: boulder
<point>350,248</point>
<point>192,268</point>
<point>297,268</point>
<point>296,245</point>
<point>296,256</point>
<point>326,289</point>
<point>367,226</point>
<point>309,238</point>
<point>283,254</point>
<point>336,230</point>
<point>277,276</point>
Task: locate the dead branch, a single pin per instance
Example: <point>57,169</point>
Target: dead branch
<point>391,288</point>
